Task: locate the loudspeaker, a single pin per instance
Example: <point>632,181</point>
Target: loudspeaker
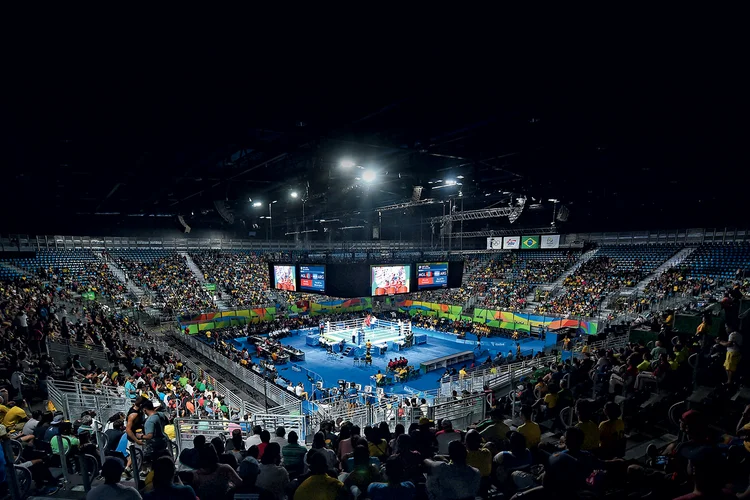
<point>184,225</point>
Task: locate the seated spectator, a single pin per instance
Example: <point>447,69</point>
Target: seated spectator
<point>584,411</point>
<point>495,427</point>
<point>166,484</point>
<point>377,447</point>
<point>517,458</point>
<point>561,481</point>
<point>479,457</point>
<point>319,445</point>
<point>265,438</point>
<point>273,477</point>
<point>212,478</point>
<point>529,429</point>
<point>114,435</point>
<point>235,445</point>
<point>68,440</point>
<point>454,481</point>
<point>410,458</point>
<point>363,473</point>
<point>319,486</point>
<point>397,487</point>
<point>293,455</point>
<point>612,433</point>
<point>112,470</point>
<point>249,470</point>
<point>191,456</point>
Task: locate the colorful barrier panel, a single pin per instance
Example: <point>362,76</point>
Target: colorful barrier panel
<point>414,307</point>
<point>524,322</point>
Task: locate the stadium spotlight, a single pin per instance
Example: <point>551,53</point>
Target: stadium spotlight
<point>294,194</point>
<point>347,164</point>
<point>257,204</point>
<point>368,176</point>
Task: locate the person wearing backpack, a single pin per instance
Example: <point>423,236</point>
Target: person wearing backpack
<point>157,442</point>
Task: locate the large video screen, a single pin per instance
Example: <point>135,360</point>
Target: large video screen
<point>389,279</point>
<point>312,278</point>
<point>284,278</point>
<point>432,275</point>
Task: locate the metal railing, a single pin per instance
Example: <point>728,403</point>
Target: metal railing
<point>60,350</point>
<point>255,380</point>
<point>72,398</point>
<point>462,412</point>
<point>495,376</point>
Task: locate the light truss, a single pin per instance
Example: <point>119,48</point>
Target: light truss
<point>484,213</point>
<point>503,232</point>
<point>406,204</point>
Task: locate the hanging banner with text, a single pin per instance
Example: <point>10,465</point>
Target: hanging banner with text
<point>551,241</point>
<point>512,242</point>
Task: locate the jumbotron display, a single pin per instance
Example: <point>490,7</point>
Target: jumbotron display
<point>312,278</point>
<point>432,275</point>
<point>284,278</point>
<point>390,279</point>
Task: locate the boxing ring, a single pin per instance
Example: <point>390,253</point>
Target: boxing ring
<point>379,332</point>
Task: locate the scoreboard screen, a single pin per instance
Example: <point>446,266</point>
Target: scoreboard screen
<point>432,275</point>
<point>312,278</point>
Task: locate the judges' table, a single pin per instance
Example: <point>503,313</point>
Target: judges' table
<point>445,361</point>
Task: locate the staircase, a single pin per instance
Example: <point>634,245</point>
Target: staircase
<point>193,267</point>
<point>673,261</point>
<point>347,351</point>
<point>135,291</point>
<point>558,283</point>
<point>220,303</point>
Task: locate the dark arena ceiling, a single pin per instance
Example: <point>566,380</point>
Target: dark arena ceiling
<point>122,153</point>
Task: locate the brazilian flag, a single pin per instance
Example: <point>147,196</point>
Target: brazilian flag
<point>529,242</point>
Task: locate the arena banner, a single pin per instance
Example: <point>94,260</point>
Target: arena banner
<point>551,241</point>
<point>413,307</point>
<point>524,322</point>
<point>529,242</point>
<point>227,318</point>
<point>511,242</point>
<point>494,243</point>
<point>341,306</point>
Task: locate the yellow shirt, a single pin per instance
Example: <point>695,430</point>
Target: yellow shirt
<point>550,400</point>
<point>462,373</point>
<point>379,377</point>
<point>590,435</point>
<point>481,459</point>
<point>645,365</point>
<point>318,487</point>
<point>170,432</point>
<point>13,416</point>
<point>532,433</point>
<point>610,432</point>
<point>585,348</point>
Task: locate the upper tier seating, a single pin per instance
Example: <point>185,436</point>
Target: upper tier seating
<point>644,258</point>
<point>242,274</point>
<point>719,260</point>
<point>167,275</point>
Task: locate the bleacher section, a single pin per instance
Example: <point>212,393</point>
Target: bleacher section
<point>719,261</point>
<point>612,268</point>
<point>165,274</point>
<point>243,275</point>
<point>643,258</point>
